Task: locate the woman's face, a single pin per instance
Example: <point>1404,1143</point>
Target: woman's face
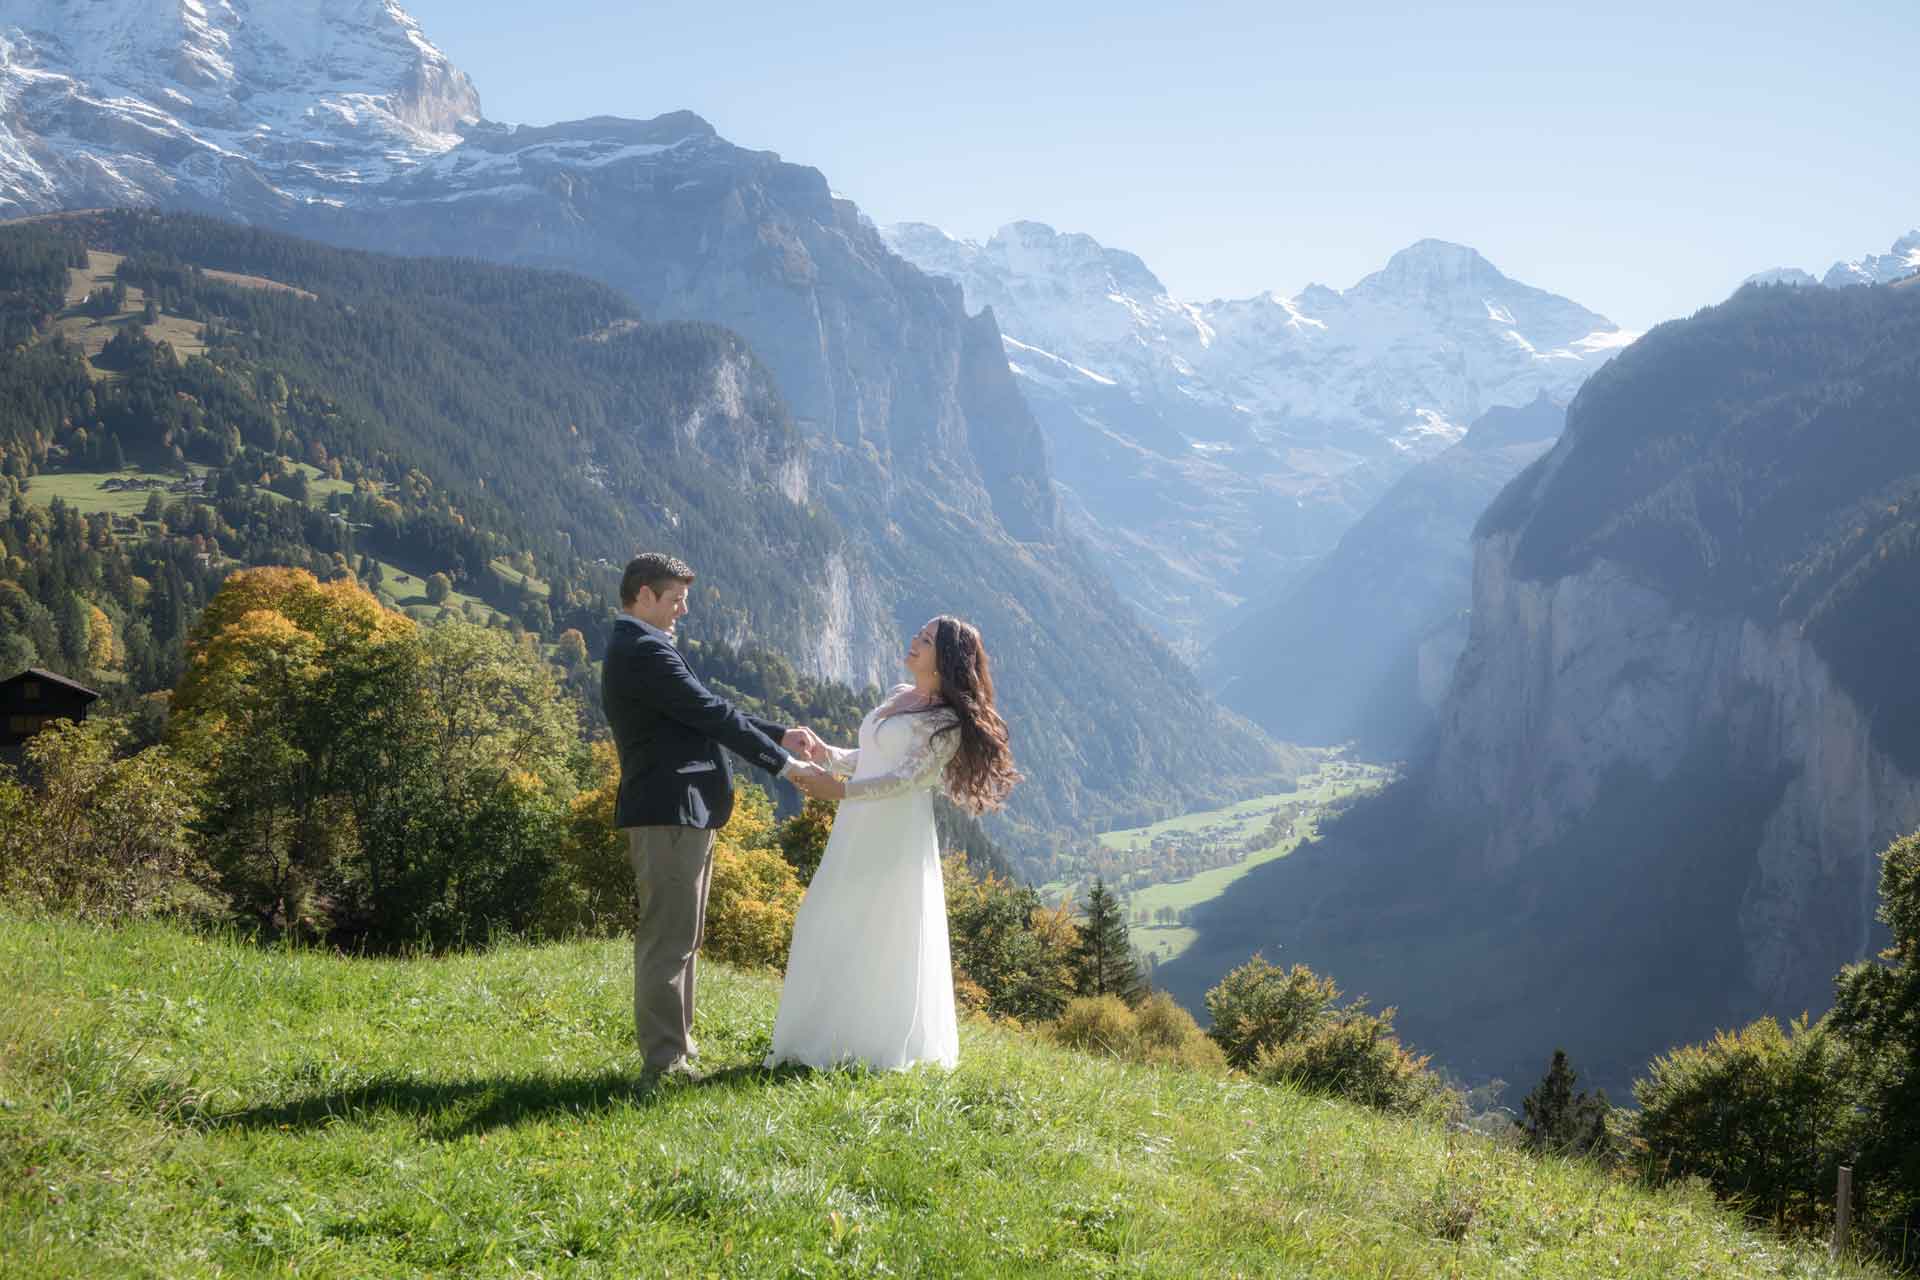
<point>921,658</point>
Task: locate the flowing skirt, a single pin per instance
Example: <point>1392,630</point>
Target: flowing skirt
<point>870,976</point>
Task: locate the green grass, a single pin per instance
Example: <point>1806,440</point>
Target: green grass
<point>1235,824</point>
<point>81,490</point>
<point>91,333</point>
<point>176,1106</point>
<point>514,578</point>
<point>407,592</point>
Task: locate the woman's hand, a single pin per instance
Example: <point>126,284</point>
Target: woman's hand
<point>817,784</point>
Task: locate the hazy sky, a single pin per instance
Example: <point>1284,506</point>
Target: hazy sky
<point>1638,158</point>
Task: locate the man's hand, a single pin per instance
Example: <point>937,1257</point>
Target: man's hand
<point>806,744</point>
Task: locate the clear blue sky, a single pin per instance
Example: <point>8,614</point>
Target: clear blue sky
<point>1639,158</point>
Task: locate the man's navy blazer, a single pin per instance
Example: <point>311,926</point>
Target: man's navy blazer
<point>670,731</point>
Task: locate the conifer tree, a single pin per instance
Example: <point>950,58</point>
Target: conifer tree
<point>1105,962</point>
<point>1562,1121</point>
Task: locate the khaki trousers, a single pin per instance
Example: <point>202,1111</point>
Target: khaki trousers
<point>672,867</point>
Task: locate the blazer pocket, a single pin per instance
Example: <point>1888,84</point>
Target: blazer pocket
<point>698,766</point>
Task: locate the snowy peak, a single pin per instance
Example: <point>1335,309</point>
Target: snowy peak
<point>1899,263</point>
<point>1879,268</point>
<point>1432,265</point>
<point>315,95</point>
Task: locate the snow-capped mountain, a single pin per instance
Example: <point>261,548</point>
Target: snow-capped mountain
<point>1211,449</point>
<point>229,104</point>
<point>1900,262</point>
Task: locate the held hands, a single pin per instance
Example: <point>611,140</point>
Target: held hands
<point>816,783</point>
<point>805,743</point>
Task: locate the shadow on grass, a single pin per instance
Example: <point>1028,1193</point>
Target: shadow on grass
<point>450,1109</point>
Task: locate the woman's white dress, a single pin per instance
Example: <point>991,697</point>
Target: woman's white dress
<point>869,977</point>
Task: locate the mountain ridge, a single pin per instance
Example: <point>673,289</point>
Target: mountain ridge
<point>1211,451</point>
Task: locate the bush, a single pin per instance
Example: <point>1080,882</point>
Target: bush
<point>98,835</point>
<point>1159,1032</point>
<point>1260,1006</point>
<point>754,893</point>
<point>1099,1024</point>
<point>1763,1113</point>
<point>1354,1055</point>
<point>1168,1034</point>
<point>750,907</point>
<point>590,887</point>
<point>1015,952</point>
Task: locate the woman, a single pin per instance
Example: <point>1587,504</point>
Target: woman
<point>869,978</point>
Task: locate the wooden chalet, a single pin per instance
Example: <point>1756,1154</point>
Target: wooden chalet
<point>32,699</point>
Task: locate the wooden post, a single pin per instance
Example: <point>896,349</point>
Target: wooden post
<point>1842,1211</point>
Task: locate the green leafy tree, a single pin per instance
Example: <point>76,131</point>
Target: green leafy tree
<point>439,588</point>
<point>1105,963</point>
<point>296,703</point>
<point>1877,1011</point>
<point>570,650</point>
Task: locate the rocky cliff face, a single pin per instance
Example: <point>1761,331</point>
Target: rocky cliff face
<point>1684,723</point>
<point>1568,680</point>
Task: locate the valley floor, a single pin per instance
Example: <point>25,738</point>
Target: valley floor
<point>173,1105</point>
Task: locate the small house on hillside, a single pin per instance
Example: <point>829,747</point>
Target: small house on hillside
<point>31,699</point>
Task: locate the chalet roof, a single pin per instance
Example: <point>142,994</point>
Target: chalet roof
<point>38,673</point>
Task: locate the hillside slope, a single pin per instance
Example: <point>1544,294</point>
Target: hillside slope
<point>179,1106</point>
<point>494,411</point>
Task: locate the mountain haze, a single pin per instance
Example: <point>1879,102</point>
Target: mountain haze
<point>1362,648</point>
<point>1211,451</point>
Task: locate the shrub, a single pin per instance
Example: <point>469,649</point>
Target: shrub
<point>1351,1054</point>
<point>1099,1024</point>
<point>96,834</point>
<point>1763,1113</point>
<point>750,907</point>
<point>1159,1031</point>
<point>1168,1034</point>
<point>590,888</point>
<point>754,893</point>
<point>1260,1006</point>
<point>1007,945</point>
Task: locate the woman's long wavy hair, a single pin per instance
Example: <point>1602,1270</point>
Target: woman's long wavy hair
<point>981,772</point>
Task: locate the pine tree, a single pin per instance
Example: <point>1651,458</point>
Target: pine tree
<point>1105,964</point>
<point>1562,1121</point>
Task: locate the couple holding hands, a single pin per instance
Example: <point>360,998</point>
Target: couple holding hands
<point>869,977</point>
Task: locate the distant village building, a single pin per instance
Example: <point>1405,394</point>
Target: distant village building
<point>34,698</point>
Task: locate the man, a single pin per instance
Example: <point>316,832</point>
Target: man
<point>676,790</point>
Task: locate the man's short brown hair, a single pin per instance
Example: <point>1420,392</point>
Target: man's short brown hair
<point>652,570</point>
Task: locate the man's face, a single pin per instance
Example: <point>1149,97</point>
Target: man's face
<point>664,609</point>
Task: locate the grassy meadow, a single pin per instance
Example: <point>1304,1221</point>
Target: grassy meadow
<point>1334,780</point>
<point>92,333</point>
<point>174,1105</point>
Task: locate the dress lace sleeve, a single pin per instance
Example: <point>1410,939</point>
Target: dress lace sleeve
<point>842,761</point>
<point>922,767</point>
